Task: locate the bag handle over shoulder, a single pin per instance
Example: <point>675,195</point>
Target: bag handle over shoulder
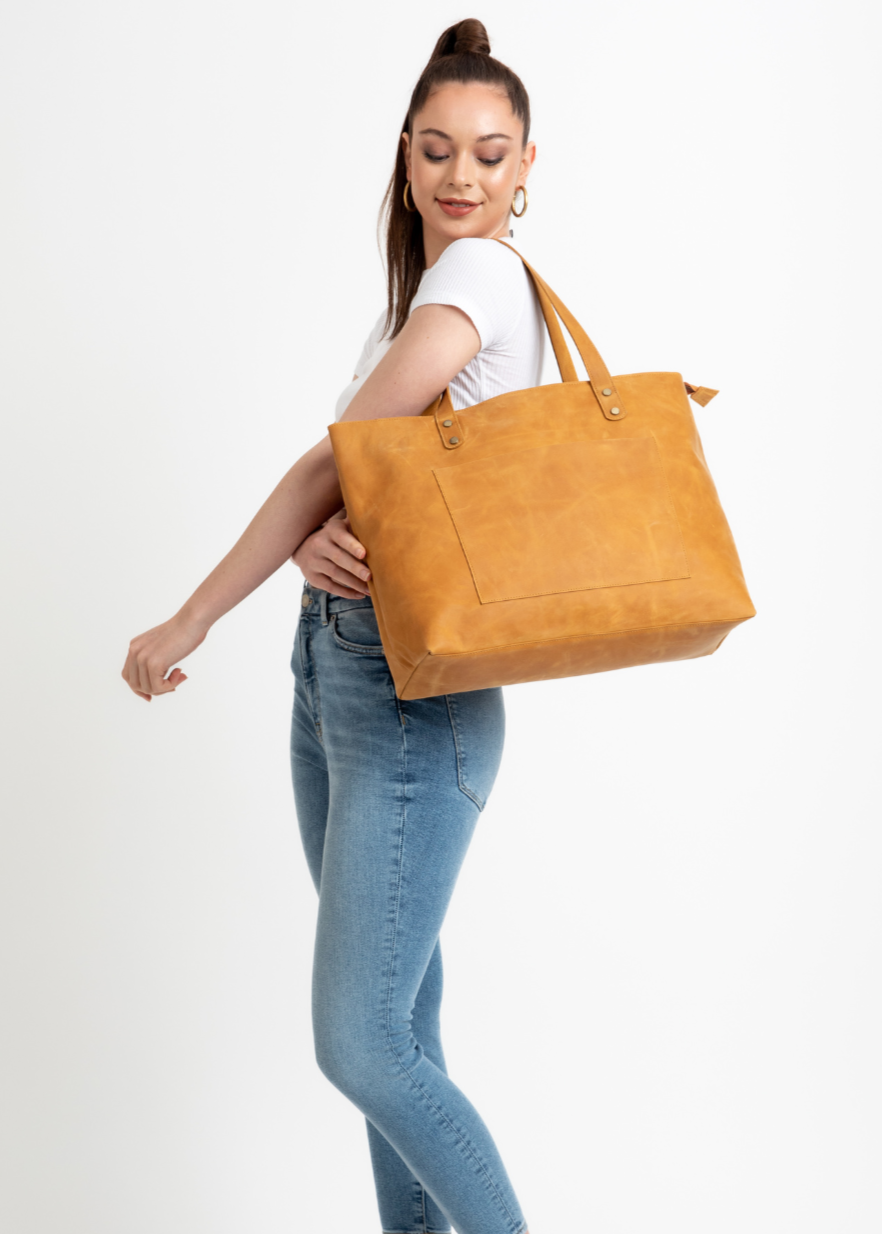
<point>602,385</point>
<point>601,381</point>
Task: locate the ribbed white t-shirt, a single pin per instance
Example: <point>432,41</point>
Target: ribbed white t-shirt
<point>491,285</point>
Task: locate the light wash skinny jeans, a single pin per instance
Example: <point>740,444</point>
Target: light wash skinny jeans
<point>387,794</point>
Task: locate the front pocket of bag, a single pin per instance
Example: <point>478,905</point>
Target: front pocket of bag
<point>356,629</point>
<point>568,517</point>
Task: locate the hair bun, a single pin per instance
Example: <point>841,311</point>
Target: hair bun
<point>468,36</point>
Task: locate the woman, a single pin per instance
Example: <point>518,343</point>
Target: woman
<point>388,792</point>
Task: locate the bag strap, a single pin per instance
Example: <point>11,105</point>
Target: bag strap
<point>603,387</point>
<point>450,427</point>
<point>602,384</point>
<point>594,365</point>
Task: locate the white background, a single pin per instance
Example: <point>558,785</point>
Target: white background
<point>663,955</point>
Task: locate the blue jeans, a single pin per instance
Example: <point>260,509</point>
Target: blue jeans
<point>388,793</point>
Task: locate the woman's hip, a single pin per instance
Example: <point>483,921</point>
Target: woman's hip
<point>449,742</point>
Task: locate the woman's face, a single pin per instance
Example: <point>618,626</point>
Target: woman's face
<point>464,162</point>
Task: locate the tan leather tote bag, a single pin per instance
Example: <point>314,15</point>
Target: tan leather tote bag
<point>564,529</point>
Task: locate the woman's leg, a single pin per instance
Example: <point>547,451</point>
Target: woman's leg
<point>404,1203</point>
<point>406,783</point>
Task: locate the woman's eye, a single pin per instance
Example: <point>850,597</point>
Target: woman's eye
<point>439,158</point>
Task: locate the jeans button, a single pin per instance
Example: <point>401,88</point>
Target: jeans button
<point>305,599</point>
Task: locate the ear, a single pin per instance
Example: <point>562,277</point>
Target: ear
<point>527,160</point>
<point>405,143</point>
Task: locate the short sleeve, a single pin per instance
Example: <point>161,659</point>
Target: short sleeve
<point>483,278</point>
<point>371,345</point>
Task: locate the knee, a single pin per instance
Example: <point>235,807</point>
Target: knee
<point>351,1056</point>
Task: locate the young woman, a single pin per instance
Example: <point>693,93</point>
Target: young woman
<point>388,792</point>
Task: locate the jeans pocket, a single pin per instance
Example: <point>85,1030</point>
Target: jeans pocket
<point>356,630</point>
<point>477,718</point>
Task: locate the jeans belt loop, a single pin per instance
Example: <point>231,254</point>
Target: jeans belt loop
<point>323,606</point>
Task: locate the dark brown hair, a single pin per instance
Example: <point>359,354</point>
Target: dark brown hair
<point>462,54</point>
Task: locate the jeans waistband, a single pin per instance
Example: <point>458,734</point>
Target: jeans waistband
<point>316,600</point>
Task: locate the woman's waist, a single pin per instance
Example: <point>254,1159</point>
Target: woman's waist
<point>318,600</point>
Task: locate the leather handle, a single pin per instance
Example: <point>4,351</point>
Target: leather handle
<point>450,427</point>
<point>561,352</point>
<point>602,384</point>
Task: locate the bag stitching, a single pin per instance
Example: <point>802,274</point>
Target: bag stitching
<point>575,638</point>
<point>528,595</point>
<point>465,552</point>
<point>538,595</point>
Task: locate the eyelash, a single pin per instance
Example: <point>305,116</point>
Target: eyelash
<point>439,158</point>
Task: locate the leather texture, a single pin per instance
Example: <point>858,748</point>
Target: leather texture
<point>549,532</point>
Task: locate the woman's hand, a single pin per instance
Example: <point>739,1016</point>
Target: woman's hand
<point>152,653</point>
<point>331,558</point>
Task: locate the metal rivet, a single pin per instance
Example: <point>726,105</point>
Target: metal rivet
<point>613,411</point>
<point>454,440</point>
<point>305,600</point>
<point>606,390</point>
<point>447,423</point>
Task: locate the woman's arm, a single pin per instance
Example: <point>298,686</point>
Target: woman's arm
<point>436,342</point>
<point>410,376</point>
<point>414,371</point>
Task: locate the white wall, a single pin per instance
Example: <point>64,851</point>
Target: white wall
<point>663,956</point>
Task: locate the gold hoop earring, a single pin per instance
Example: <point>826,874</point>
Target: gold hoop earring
<point>409,209</point>
<point>522,188</point>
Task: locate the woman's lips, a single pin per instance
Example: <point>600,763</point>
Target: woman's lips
<point>457,208</point>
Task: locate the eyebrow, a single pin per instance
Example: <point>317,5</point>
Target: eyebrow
<point>447,137</point>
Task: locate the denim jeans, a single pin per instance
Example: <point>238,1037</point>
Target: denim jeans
<point>388,793</point>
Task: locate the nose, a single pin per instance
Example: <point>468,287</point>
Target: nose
<point>460,170</point>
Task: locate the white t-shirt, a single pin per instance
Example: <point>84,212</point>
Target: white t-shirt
<point>491,285</point>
